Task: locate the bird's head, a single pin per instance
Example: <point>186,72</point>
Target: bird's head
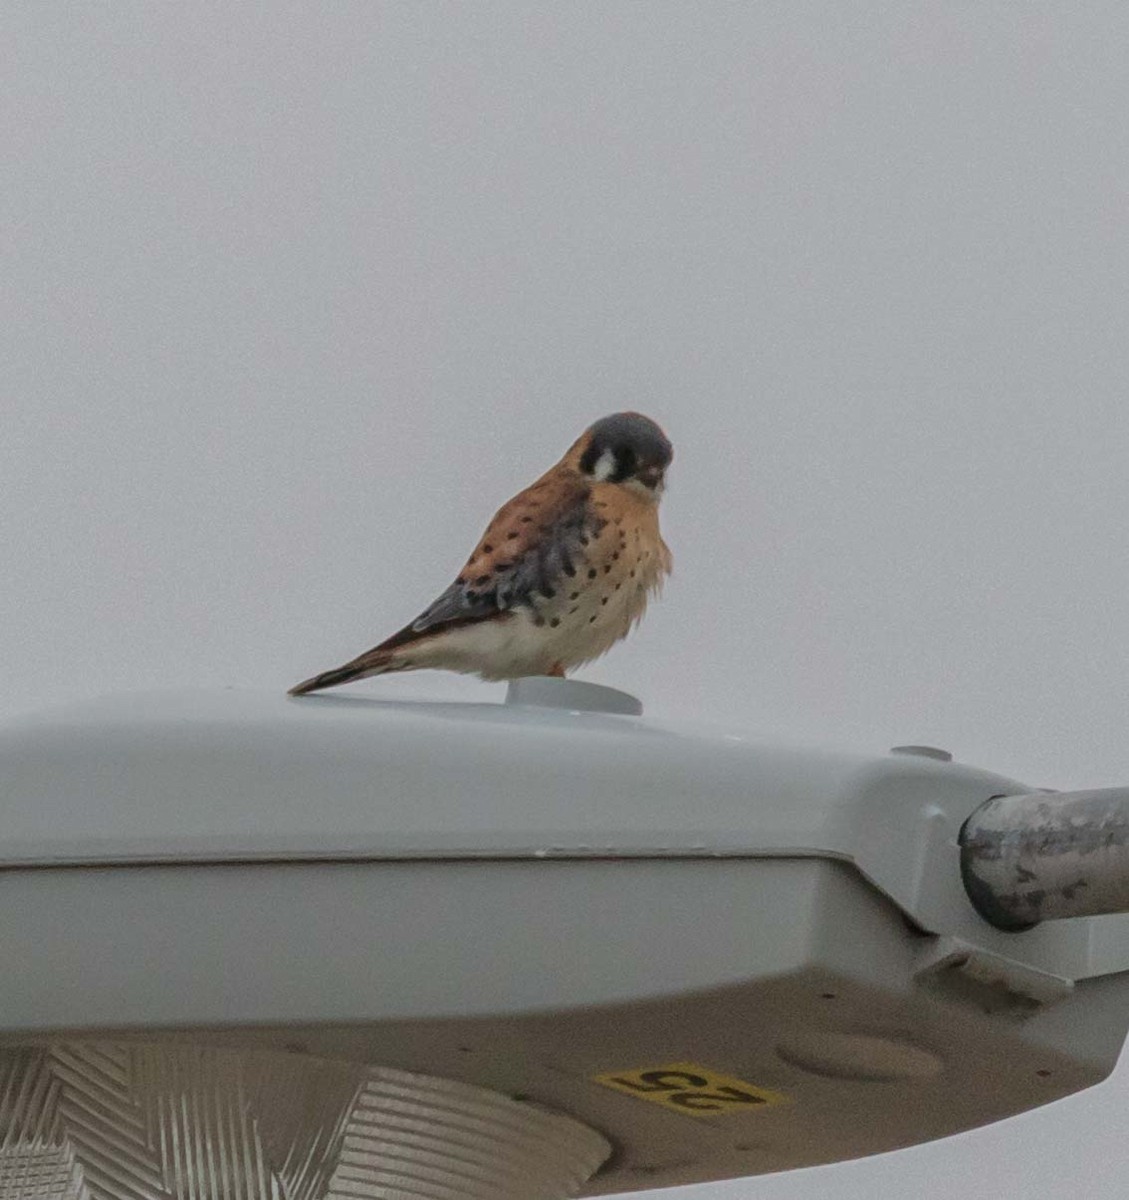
<point>625,448</point>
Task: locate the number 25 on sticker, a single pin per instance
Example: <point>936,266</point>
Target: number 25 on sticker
<point>691,1089</point>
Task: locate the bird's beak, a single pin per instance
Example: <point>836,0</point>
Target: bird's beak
<point>651,476</point>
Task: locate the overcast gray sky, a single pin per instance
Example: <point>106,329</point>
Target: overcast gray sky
<point>294,295</point>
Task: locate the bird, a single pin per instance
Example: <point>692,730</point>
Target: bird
<point>563,571</point>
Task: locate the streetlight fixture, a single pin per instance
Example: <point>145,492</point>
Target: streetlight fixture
<point>348,947</point>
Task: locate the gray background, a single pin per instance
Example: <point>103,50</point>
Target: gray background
<point>294,295</point>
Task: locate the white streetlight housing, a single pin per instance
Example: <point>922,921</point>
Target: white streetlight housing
<point>526,948</point>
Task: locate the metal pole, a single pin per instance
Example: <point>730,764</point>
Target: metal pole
<point>1047,856</point>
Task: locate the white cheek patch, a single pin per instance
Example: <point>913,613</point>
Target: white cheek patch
<point>605,466</point>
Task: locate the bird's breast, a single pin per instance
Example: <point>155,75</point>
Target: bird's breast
<point>606,588</point>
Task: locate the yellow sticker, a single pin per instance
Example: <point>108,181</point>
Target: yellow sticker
<point>690,1089</point>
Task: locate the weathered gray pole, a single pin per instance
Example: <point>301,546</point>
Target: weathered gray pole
<point>1047,856</point>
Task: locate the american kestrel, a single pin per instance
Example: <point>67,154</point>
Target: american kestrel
<point>563,571</point>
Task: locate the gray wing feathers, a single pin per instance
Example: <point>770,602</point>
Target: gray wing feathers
<point>538,569</point>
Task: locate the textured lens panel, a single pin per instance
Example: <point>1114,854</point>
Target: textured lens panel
<point>130,1121</point>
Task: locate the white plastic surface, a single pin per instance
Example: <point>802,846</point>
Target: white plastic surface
<point>251,776</point>
<point>573,695</point>
<point>219,775</point>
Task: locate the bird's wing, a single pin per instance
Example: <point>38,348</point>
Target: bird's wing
<point>531,546</point>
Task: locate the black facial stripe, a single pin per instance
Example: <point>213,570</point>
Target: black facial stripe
<point>589,459</point>
<point>626,460</point>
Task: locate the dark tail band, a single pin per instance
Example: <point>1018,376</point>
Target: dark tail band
<point>327,679</point>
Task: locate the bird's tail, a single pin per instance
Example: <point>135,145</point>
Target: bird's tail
<point>369,664</point>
